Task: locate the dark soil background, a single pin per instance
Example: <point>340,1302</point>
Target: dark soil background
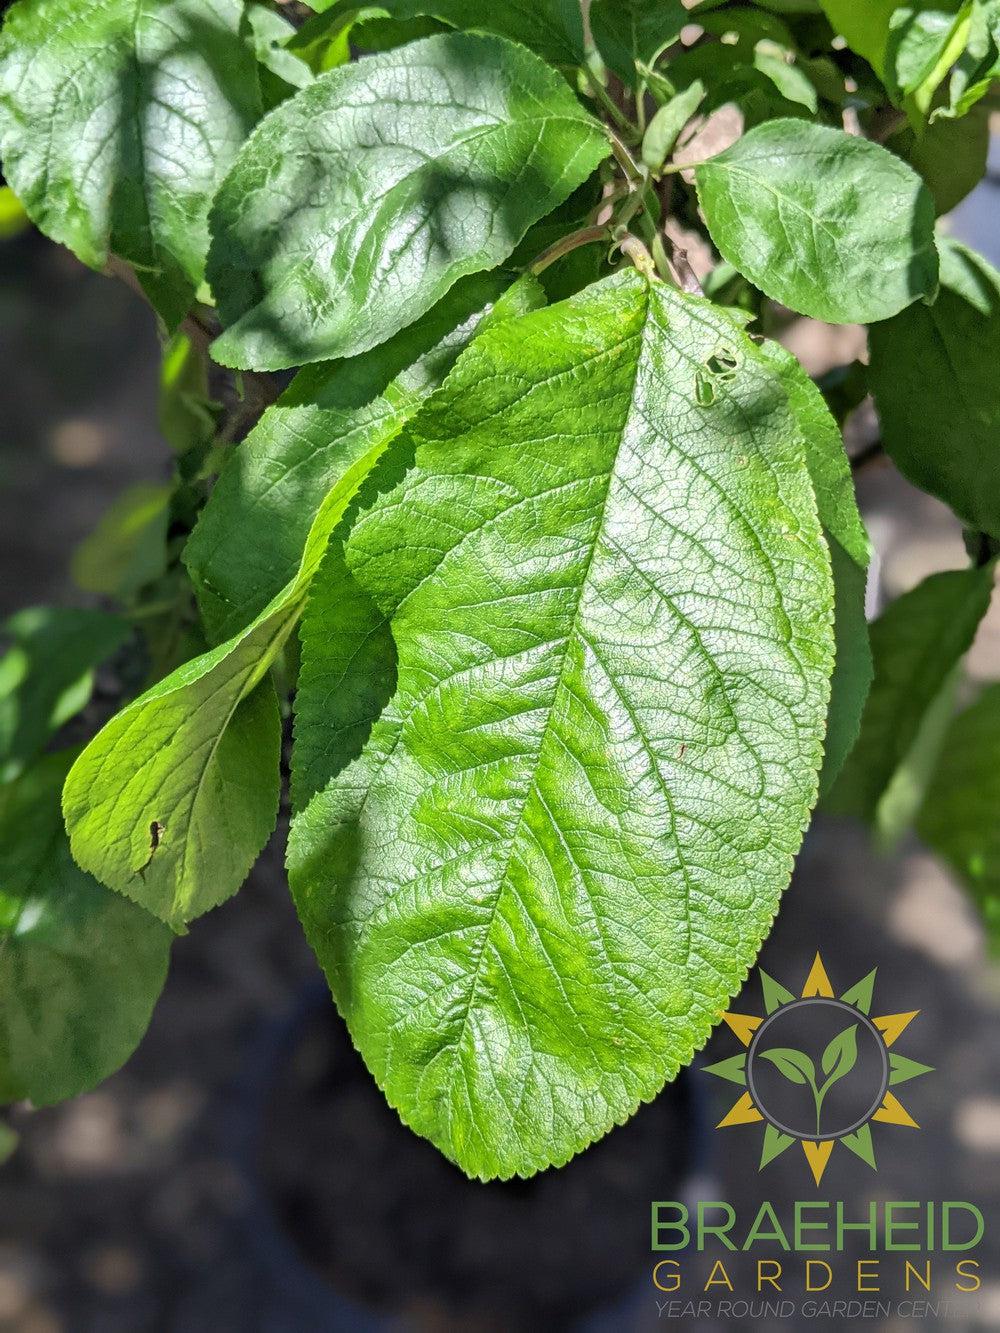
<point>144,1206</point>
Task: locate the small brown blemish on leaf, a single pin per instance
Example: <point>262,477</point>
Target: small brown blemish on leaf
<point>682,751</point>
<point>156,831</point>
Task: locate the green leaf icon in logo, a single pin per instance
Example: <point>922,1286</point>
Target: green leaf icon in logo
<point>837,1061</point>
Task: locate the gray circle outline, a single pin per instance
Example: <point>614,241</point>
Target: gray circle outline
<point>855,1013</point>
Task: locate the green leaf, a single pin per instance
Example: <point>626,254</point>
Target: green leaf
<point>198,755</point>
<point>923,45</point>
<point>358,203</point>
<point>128,548</point>
<point>80,968</point>
<point>117,122</point>
<point>599,601</point>
<point>850,552</point>
<point>666,126</point>
<point>950,156</point>
<point>325,430</point>
<point>47,674</point>
<point>958,819</point>
<point>841,1055</point>
<point>934,376</point>
<point>794,1065</point>
<point>551,28</point>
<point>787,77</point>
<point>829,224</point>
<point>626,31</point>
<point>978,67</point>
<point>171,803</point>
<point>917,644</point>
<point>270,37</point>
<point>864,27</point>
<point>186,413</point>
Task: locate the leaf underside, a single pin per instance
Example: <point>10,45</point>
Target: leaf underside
<point>601,605</point>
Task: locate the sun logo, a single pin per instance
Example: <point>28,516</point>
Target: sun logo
<point>817,1069</point>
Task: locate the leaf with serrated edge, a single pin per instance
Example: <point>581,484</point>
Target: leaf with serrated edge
<point>118,120</point>
<point>332,419</point>
<point>80,968</point>
<point>568,832</point>
<point>358,203</point>
<point>829,224</point>
<point>849,549</point>
<point>197,755</point>
<point>934,376</point>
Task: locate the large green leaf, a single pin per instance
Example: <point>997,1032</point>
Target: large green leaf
<point>917,644</point>
<point>934,376</point>
<point>46,675</point>
<point>850,552</point>
<point>357,204</point>
<point>603,581</point>
<point>196,757</point>
<point>333,420</point>
<point>80,968</point>
<point>829,224</point>
<point>629,30</point>
<point>959,818</point>
<point>118,119</point>
<point>552,28</point>
<point>923,44</point>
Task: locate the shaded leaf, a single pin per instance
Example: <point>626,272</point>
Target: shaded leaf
<point>626,31</point>
<point>950,156</point>
<point>850,552</point>
<point>551,28</point>
<point>829,224</point>
<point>325,429</point>
<point>606,668</point>
<point>47,674</point>
<point>128,548</point>
<point>359,202</point>
<point>917,644</point>
<point>117,123</point>
<point>934,376</point>
<point>958,819</point>
<point>80,968</point>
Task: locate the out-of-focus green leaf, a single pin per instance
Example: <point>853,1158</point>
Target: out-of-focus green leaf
<point>80,968</point>
<point>47,674</point>
<point>949,154</point>
<point>128,548</point>
<point>186,413</point>
<point>917,644</point>
<point>934,376</point>
<point>959,818</point>
<point>13,218</point>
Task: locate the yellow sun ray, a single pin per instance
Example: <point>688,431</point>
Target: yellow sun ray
<point>743,1113</point>
<point>817,1155</point>
<point>892,1025</point>
<point>744,1025</point>
<point>817,982</point>
<point>893,1112</point>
